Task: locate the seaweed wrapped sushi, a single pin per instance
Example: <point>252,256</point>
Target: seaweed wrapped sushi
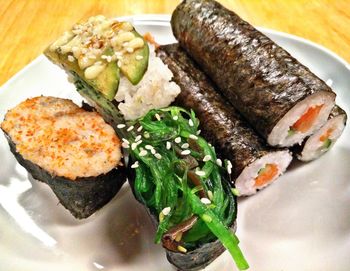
<point>281,98</point>
<point>73,151</point>
<point>253,165</point>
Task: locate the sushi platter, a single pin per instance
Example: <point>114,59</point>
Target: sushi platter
<point>186,142</point>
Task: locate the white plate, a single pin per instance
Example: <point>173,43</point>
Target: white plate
<point>302,222</point>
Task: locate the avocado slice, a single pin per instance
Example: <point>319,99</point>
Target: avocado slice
<point>132,68</point>
<point>106,82</point>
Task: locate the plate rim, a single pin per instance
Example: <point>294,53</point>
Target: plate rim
<point>162,19</point>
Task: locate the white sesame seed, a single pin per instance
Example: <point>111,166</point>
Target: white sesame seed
<point>210,195</point>
<point>119,63</point>
<point>138,138</point>
<point>140,129</point>
<point>149,147</point>
<point>138,142</point>
<point>200,173</point>
<point>175,117</point>
<point>168,145</point>
<point>125,44</point>
<point>146,135</point>
<point>121,126</point>
<point>143,153</point>
<point>135,165</point>
<point>177,140</point>
<point>153,151</point>
<point>185,152</point>
<point>185,146</point>
<point>229,164</point>
<point>157,116</point>
<point>193,137</point>
<point>205,201</point>
<point>104,57</point>
<point>190,122</point>
<point>229,170</point>
<point>133,146</point>
<point>130,50</point>
<point>125,145</point>
<point>118,53</point>
<point>71,58</point>
<point>130,128</point>
<point>138,57</point>
<point>158,155</point>
<point>207,158</point>
<point>166,210</point>
<point>119,57</point>
<point>125,140</point>
<point>219,162</point>
<point>199,131</point>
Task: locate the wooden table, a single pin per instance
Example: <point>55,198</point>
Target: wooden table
<point>28,26</point>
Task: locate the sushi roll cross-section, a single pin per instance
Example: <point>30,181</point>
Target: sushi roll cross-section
<point>253,164</point>
<point>72,150</point>
<point>323,140</point>
<point>281,98</point>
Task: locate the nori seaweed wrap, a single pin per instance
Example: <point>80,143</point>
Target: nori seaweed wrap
<point>281,98</point>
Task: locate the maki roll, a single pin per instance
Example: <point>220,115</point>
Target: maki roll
<point>322,140</point>
<point>73,151</point>
<point>281,98</point>
<point>254,164</point>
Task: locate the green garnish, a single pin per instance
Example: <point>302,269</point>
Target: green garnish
<point>174,177</point>
<point>291,131</point>
<point>327,143</point>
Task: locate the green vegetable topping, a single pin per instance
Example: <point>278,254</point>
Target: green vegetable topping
<point>178,179</point>
<point>327,143</point>
<point>291,131</point>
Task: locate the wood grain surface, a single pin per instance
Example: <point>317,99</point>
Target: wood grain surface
<point>28,26</point>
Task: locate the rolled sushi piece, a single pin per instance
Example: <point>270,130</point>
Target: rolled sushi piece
<point>114,68</point>
<point>281,98</point>
<point>322,140</point>
<point>73,151</point>
<point>253,165</point>
<point>175,176</point>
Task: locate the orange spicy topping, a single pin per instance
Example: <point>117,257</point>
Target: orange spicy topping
<point>305,121</point>
<point>150,39</point>
<point>266,175</point>
<point>326,135</point>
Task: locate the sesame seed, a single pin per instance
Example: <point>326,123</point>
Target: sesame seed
<point>229,167</point>
<point>207,158</point>
<point>119,63</point>
<point>158,156</point>
<point>199,131</point>
<point>175,117</point>
<point>157,116</point>
<point>190,122</point>
<point>185,152</point>
<point>121,126</point>
<point>143,153</point>
<point>200,173</point>
<point>130,50</point>
<point>193,137</point>
<point>135,165</point>
<point>205,201</point>
<point>146,135</point>
<point>133,146</point>
<point>178,140</point>
<point>181,249</point>
<point>125,44</point>
<point>168,145</point>
<point>219,162</point>
<point>229,170</point>
<point>140,129</point>
<point>166,210</point>
<point>138,138</point>
<point>210,195</point>
<point>185,146</point>
<point>104,57</point>
<point>149,147</point>
<point>125,145</point>
<point>71,58</point>
<point>125,140</point>
<point>138,57</point>
<point>153,151</point>
<point>130,128</point>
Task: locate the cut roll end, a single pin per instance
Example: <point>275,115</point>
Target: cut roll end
<point>262,172</point>
<point>321,142</point>
<point>302,120</point>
